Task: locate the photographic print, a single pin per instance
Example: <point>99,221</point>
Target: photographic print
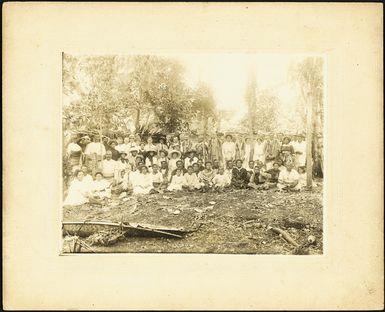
<point>193,153</point>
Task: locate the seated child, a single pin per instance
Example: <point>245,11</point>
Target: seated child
<point>177,181</point>
<point>288,179</point>
<point>256,181</point>
<point>191,180</point>
<point>216,166</point>
<point>302,181</point>
<point>157,177</point>
<point>179,165</point>
<point>206,176</point>
<point>239,176</point>
<point>250,168</point>
<point>221,180</point>
<point>165,173</point>
<point>229,169</point>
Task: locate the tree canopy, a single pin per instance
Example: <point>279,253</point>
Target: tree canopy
<point>143,93</point>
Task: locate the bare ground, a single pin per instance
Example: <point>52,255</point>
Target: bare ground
<point>234,222</point>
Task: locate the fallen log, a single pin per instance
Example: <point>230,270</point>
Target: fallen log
<point>285,235</point>
<point>87,228</point>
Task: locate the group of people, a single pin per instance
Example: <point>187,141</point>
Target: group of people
<point>174,163</point>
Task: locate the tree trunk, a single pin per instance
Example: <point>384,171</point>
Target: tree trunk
<point>101,142</point>
<point>137,119</point>
<point>309,140</point>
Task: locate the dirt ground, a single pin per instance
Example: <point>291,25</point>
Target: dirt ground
<point>234,222</point>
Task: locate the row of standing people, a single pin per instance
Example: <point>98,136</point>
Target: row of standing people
<point>266,150</point>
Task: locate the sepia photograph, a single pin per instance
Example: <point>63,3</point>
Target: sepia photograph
<point>193,153</point>
<point>193,156</point>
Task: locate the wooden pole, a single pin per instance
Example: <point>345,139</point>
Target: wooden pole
<point>309,137</point>
<point>101,142</point>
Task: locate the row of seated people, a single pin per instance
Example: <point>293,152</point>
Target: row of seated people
<point>141,180</point>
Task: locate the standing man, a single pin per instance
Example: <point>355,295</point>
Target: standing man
<point>109,167</point>
<point>95,152</point>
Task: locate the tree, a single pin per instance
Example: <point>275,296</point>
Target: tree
<point>263,107</point>
<point>203,105</point>
<point>111,92</point>
<point>251,100</point>
<point>308,74</point>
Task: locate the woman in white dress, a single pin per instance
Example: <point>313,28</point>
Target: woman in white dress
<point>100,188</point>
<point>79,191</point>
<point>259,150</point>
<point>143,184</point>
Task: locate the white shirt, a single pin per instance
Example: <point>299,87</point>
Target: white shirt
<point>288,177</point>
<point>73,147</point>
<point>259,148</point>
<point>228,150</point>
<point>95,148</point>
<point>100,185</point>
<point>191,179</point>
<point>157,177</point>
<point>120,148</point>
<point>221,180</point>
<point>108,167</point>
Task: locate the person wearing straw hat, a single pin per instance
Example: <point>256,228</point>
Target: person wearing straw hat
<point>175,156</point>
<point>162,157</point>
<point>151,158</point>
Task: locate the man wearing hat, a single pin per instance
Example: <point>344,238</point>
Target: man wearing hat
<point>228,149</point>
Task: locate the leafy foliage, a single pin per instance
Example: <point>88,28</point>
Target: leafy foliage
<point>136,93</point>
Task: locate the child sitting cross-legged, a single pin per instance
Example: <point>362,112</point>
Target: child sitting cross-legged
<point>191,180</point>
<point>257,182</point>
<point>157,178</point>
<point>177,181</point>
<point>206,176</point>
<point>221,180</point>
